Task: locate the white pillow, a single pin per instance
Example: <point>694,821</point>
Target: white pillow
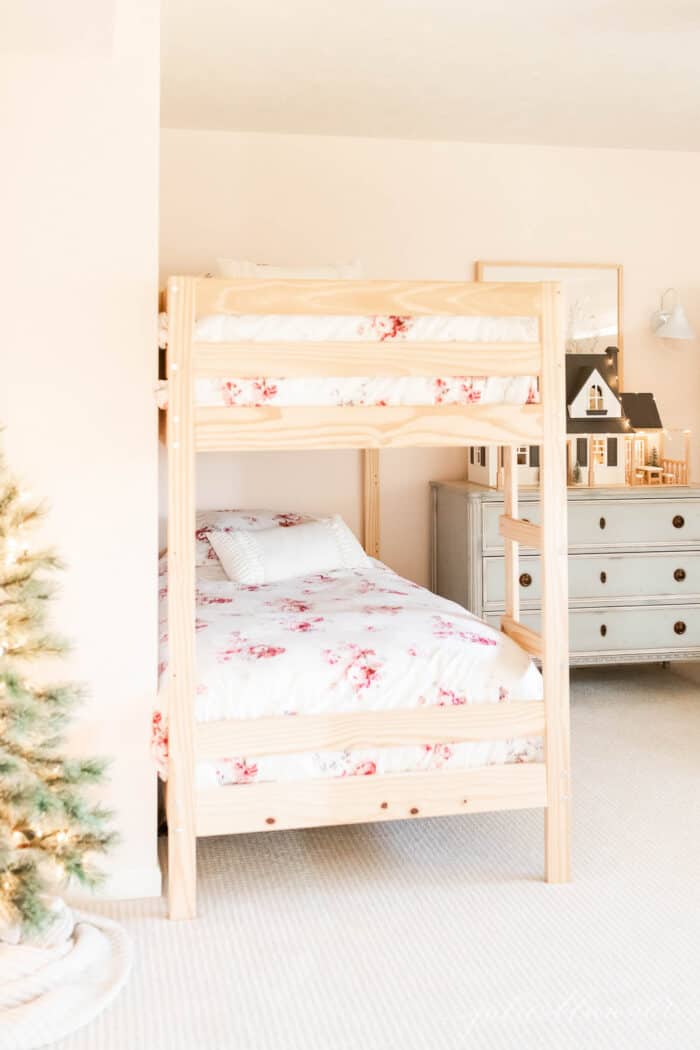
<point>280,554</point>
<point>240,521</point>
<point>243,268</point>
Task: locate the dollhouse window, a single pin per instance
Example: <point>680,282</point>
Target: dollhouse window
<point>598,451</point>
<point>595,398</point>
<point>522,457</point>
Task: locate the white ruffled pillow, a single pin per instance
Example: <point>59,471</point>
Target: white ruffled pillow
<point>280,554</point>
<point>244,268</point>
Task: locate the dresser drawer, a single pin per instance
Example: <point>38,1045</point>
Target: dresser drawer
<point>625,523</point>
<point>626,628</point>
<point>604,578</point>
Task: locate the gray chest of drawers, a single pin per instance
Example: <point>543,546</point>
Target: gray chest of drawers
<point>634,567</point>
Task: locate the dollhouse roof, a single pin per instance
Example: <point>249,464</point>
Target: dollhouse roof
<point>642,412</point>
<point>579,368</point>
<point>639,411</point>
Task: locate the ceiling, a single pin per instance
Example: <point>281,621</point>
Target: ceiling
<point>560,72</point>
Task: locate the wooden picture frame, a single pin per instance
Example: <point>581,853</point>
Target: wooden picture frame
<point>509,270</point>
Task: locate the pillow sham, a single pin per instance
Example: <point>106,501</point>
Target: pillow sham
<point>239,521</point>
<point>243,268</point>
<point>279,554</point>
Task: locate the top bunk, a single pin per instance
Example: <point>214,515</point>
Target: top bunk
<point>409,342</point>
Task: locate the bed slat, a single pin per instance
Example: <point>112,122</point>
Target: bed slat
<point>335,358</point>
<point>354,800</point>
<point>358,426</point>
<point>354,730</point>
<point>368,298</point>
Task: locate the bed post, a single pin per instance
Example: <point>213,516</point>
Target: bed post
<point>370,501</point>
<point>555,617</point>
<point>182,843</point>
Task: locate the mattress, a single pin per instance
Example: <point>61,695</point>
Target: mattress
<point>348,640</point>
<point>407,390</point>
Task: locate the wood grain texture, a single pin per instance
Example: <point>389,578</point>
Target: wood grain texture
<point>359,426</point>
<point>312,802</point>
<point>370,502</point>
<point>281,359</point>
<point>367,298</point>
<point>353,800</point>
<point>355,730</point>
<point>525,637</point>
<point>555,617</point>
<point>516,530</point>
<point>181,607</point>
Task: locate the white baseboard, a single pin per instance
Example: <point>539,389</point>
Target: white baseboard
<point>122,885</point>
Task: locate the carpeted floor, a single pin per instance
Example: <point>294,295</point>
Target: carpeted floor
<point>440,934</point>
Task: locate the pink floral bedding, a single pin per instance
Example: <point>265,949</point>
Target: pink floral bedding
<point>350,640</point>
<point>409,390</point>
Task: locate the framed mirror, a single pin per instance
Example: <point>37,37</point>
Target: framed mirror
<point>592,300</point>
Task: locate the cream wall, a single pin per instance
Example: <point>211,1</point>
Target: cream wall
<point>79,206</point>
<point>428,210</point>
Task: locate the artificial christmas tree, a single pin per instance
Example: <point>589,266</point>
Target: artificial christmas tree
<point>48,830</point>
<point>58,968</point>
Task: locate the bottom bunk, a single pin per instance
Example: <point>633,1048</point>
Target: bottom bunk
<point>311,682</point>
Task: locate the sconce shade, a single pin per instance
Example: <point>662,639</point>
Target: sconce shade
<point>675,325</point>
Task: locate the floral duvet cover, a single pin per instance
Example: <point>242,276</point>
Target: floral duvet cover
<point>408,390</point>
<point>349,640</point>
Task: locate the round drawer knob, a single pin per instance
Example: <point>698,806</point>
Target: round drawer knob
<point>602,523</point>
<point>678,521</point>
<point>603,630</point>
<point>679,575</point>
<point>603,577</point>
<point>525,579</point>
<point>679,627</point>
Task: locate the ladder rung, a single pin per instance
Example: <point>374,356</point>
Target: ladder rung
<point>521,531</point>
<point>526,638</point>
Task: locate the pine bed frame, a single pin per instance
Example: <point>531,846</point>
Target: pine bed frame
<point>194,812</point>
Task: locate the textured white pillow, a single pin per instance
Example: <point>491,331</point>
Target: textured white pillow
<point>280,554</point>
<point>240,521</point>
<point>243,268</point>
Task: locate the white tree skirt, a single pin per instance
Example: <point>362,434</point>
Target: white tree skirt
<point>56,984</point>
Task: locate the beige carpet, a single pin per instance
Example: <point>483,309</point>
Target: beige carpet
<point>440,934</point>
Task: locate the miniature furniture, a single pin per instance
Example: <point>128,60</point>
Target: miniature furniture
<point>634,567</point>
<point>193,429</point>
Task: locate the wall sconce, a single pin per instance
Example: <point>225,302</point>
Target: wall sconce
<point>671,324</point>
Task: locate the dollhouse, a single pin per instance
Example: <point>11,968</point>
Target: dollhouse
<point>613,438</point>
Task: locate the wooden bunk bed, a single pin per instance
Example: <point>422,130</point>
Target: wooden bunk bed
<point>190,429</point>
